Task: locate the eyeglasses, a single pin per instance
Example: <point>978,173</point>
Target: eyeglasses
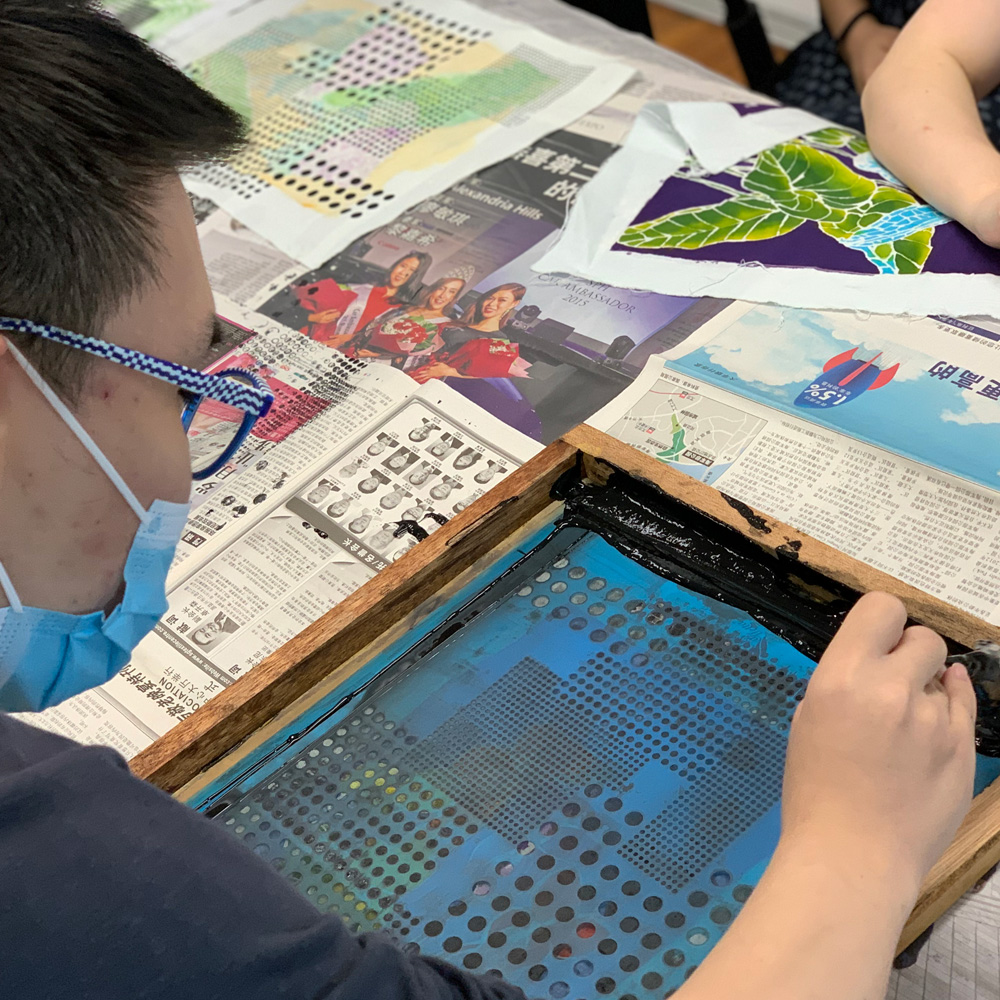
<point>219,408</point>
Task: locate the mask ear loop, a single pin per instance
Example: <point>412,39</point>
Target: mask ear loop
<point>7,586</point>
<point>84,438</point>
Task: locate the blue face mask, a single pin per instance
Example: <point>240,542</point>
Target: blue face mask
<point>49,656</point>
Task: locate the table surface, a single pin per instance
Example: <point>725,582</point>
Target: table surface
<point>962,959</point>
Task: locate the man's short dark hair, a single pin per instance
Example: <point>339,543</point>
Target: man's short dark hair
<point>91,120</point>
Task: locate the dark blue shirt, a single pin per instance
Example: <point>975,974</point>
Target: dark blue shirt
<point>112,890</point>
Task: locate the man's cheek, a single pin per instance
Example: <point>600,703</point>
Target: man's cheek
<point>166,464</point>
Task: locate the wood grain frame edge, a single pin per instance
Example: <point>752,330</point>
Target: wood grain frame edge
<point>976,846</point>
<point>228,718</point>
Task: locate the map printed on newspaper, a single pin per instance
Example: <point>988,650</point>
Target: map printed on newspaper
<point>696,434</point>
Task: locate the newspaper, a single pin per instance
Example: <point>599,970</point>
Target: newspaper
<point>241,265</point>
<point>306,512</point>
<point>259,560</point>
<point>927,388</point>
<point>853,474</point>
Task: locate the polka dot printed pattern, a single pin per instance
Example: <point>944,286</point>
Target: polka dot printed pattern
<point>333,96</point>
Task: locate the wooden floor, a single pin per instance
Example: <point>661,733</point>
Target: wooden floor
<point>706,43</point>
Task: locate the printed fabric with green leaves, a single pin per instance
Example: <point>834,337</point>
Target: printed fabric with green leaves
<point>824,179</point>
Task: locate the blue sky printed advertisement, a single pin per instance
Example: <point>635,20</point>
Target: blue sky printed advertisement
<point>927,389</point>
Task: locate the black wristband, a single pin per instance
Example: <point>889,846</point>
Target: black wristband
<point>839,40</point>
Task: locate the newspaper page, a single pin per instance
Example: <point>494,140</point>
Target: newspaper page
<point>247,268</point>
<point>320,399</point>
<point>305,513</point>
<point>928,388</point>
<point>891,507</point>
<point>240,264</point>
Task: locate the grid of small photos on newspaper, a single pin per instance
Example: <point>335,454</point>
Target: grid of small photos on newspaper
<point>418,468</point>
<point>390,487</point>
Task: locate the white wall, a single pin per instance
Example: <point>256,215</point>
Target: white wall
<point>787,22</point>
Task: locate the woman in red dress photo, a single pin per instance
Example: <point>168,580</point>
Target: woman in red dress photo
<point>407,335</point>
<point>336,312</point>
<point>476,346</point>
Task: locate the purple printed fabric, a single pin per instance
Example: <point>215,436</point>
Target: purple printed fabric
<point>821,202</point>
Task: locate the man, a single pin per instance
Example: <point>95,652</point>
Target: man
<point>108,888</point>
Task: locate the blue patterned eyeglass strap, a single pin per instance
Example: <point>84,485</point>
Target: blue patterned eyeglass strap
<point>255,399</point>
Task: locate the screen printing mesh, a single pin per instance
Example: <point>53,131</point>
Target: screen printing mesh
<point>578,789</point>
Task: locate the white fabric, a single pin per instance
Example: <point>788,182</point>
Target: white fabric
<point>719,136</point>
<point>606,205</point>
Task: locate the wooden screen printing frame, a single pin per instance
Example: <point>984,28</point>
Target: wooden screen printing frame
<point>213,739</point>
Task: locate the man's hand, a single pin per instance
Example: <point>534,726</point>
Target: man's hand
<point>881,754</point>
<point>878,777</point>
<point>865,47</point>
